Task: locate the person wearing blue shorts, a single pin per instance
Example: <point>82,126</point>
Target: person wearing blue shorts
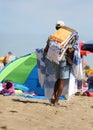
<point>62,70</point>
<point>65,67</point>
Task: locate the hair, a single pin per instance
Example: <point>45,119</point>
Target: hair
<point>8,85</point>
<point>9,52</point>
<point>58,27</point>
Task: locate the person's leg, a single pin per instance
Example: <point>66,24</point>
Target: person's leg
<point>59,91</point>
<point>64,74</point>
<point>60,82</point>
<point>52,100</point>
<point>57,76</point>
<point>56,88</point>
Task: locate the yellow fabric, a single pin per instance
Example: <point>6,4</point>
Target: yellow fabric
<point>62,34</point>
<point>18,91</point>
<point>89,70</point>
<point>1,59</point>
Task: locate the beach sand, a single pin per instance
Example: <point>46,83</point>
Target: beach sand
<point>35,114</point>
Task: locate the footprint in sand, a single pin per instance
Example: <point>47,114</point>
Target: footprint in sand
<point>13,111</point>
<point>3,127</point>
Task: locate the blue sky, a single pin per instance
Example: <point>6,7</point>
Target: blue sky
<point>26,24</point>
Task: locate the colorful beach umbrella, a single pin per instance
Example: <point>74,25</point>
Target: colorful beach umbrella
<point>83,52</point>
<point>88,46</point>
<point>23,71</point>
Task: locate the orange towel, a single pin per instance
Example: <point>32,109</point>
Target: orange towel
<point>62,34</point>
<point>1,59</point>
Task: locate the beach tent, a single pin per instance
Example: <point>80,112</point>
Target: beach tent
<point>23,71</point>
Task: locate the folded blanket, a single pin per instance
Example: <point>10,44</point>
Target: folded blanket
<point>56,49</point>
<point>62,34</point>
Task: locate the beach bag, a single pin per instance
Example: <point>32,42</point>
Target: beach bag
<point>59,42</point>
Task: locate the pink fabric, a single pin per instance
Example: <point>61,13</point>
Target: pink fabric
<point>10,91</point>
<point>4,85</point>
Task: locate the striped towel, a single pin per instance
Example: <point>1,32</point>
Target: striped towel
<point>41,66</point>
<point>77,63</point>
<point>46,70</point>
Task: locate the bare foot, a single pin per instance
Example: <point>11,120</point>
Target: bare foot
<point>56,104</point>
<point>52,101</point>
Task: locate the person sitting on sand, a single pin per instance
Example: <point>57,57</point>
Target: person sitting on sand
<point>85,86</point>
<point>90,82</point>
<point>8,88</point>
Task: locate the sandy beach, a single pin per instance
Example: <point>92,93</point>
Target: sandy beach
<point>35,114</point>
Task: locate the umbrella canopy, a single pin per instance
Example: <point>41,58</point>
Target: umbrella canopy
<point>88,46</point>
<point>23,71</point>
<point>83,52</point>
